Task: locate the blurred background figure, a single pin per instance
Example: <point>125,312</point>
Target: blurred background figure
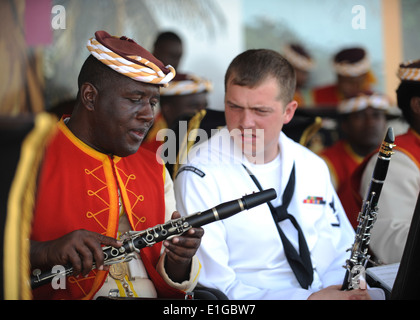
<point>303,63</point>
<point>402,186</point>
<point>185,95</point>
<point>168,48</point>
<point>353,76</point>
<point>362,123</point>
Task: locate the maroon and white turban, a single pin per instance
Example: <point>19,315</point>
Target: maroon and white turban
<point>409,71</point>
<point>364,100</point>
<point>351,62</point>
<point>130,59</point>
<point>184,84</point>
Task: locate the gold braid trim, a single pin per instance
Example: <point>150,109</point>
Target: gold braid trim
<point>186,145</point>
<point>310,131</point>
<point>20,208</point>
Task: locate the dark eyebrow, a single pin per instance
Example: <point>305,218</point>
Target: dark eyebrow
<point>136,92</point>
<point>268,108</point>
<point>262,107</point>
<point>233,104</point>
<point>141,93</point>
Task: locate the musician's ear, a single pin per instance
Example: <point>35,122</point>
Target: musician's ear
<point>88,95</point>
<point>289,111</point>
<point>415,105</point>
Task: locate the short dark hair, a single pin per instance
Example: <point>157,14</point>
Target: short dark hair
<point>252,67</point>
<point>407,90</point>
<point>166,36</point>
<point>96,73</point>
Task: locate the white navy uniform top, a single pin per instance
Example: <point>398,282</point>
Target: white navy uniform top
<point>243,255</point>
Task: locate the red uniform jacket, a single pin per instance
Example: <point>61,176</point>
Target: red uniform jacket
<point>78,189</point>
<point>327,96</point>
<point>342,161</point>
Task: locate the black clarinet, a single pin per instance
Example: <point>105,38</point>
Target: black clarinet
<point>133,241</point>
<point>359,257</point>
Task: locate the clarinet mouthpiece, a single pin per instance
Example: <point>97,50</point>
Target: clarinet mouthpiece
<point>390,136</point>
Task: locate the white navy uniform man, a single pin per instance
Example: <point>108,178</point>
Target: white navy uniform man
<point>243,256</point>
